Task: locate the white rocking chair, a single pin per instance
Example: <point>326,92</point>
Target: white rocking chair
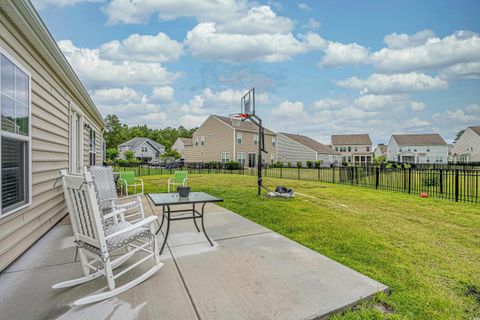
<point>96,243</point>
<point>107,194</point>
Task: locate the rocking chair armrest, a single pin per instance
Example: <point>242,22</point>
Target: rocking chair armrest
<point>126,197</point>
<point>118,212</point>
<point>134,226</point>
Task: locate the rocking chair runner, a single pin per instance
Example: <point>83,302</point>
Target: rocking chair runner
<point>96,243</point>
<point>107,194</point>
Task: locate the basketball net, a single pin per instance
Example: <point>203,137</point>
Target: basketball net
<point>237,118</point>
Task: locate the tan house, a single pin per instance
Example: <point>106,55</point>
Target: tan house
<point>295,147</point>
<point>354,148</point>
<point>380,151</point>
<point>467,147</point>
<point>417,148</point>
<point>49,122</point>
<point>180,145</point>
<point>217,140</point>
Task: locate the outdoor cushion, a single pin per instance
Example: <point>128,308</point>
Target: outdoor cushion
<point>180,176</point>
<point>128,176</point>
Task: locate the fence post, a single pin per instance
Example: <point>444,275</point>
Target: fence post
<point>409,180</point>
<point>333,174</point>
<point>441,181</point>
<point>377,177</point>
<point>281,171</point>
<point>298,173</point>
<point>318,173</point>
<point>456,185</point>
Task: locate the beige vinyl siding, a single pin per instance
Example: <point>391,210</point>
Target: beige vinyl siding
<point>291,151</point>
<point>248,146</point>
<point>468,140</point>
<point>50,104</point>
<point>218,139</point>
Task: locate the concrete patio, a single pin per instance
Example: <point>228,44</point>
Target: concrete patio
<point>250,273</point>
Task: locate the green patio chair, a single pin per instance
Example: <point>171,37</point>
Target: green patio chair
<point>180,178</point>
<point>127,179</point>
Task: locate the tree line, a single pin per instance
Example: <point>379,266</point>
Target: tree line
<point>117,133</point>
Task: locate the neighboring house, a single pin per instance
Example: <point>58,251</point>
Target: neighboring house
<point>450,151</point>
<point>180,145</point>
<point>380,151</point>
<point>48,123</point>
<point>294,147</point>
<point>417,148</point>
<point>217,140</point>
<point>144,149</point>
<point>354,148</point>
<point>467,147</point>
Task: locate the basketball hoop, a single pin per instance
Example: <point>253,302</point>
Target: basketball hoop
<point>237,118</point>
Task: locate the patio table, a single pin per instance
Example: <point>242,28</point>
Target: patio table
<point>166,200</point>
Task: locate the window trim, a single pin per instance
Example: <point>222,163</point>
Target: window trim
<point>239,138</point>
<point>92,130</point>
<point>27,139</point>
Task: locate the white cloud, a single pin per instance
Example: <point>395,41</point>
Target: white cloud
<point>162,94</point>
<point>474,108</point>
<point>394,83</point>
<point>41,4</point>
<point>416,122</point>
<point>402,41</point>
<point>287,108</point>
<point>417,106</point>
<point>470,70</point>
<point>423,51</point>
<point>304,6</point>
<point>157,48</point>
<point>329,103</point>
<point>94,70</point>
<point>312,24</point>
<point>339,54</point>
<point>115,96</point>
<point>458,115</point>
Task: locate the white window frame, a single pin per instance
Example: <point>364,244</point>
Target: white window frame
<point>195,141</point>
<point>255,139</point>
<point>274,141</point>
<point>27,139</point>
<point>239,138</point>
<point>241,158</point>
<point>90,152</point>
<point>225,156</point>
<point>144,149</point>
<point>74,110</point>
<point>202,140</point>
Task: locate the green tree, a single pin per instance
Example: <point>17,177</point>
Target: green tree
<point>459,134</point>
<point>129,155</point>
<point>112,153</point>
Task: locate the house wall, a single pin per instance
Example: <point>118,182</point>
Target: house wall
<point>289,150</point>
<point>218,138</point>
<point>362,150</point>
<point>464,145</point>
<point>50,105</point>
<point>180,147</point>
<point>151,152</point>
<point>378,153</point>
<point>247,146</point>
<point>431,156</point>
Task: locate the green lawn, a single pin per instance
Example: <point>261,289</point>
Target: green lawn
<point>426,250</point>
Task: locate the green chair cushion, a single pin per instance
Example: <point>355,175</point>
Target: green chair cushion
<point>128,176</point>
<point>180,176</point>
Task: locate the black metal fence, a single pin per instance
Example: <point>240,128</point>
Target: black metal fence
<point>452,184</point>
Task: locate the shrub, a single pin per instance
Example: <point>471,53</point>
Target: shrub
<point>109,162</point>
<point>111,153</point>
<point>214,164</point>
<point>309,164</point>
<point>129,155</point>
<point>318,163</point>
<point>431,180</point>
<point>299,164</point>
<point>232,165</point>
<point>344,163</point>
<point>127,163</point>
<point>278,164</point>
<point>289,164</point>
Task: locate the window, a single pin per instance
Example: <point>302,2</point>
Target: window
<point>15,136</point>
<point>202,140</point>
<point>274,141</point>
<point>241,158</point>
<point>144,149</point>
<point>350,149</point>
<point>195,141</point>
<point>272,158</point>
<point>428,149</point>
<point>400,149</point>
<point>255,139</point>
<point>356,149</point>
<point>439,159</point>
<point>239,137</point>
<point>225,157</point>
<point>336,149</point>
<point>415,150</point>
<point>368,148</point>
<point>92,146</point>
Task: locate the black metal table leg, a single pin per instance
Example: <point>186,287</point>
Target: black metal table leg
<point>168,230</point>
<point>194,218</point>
<point>163,219</point>
<point>203,226</point>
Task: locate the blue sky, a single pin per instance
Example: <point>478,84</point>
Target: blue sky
<point>319,67</point>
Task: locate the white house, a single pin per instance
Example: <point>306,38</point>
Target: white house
<point>143,148</point>
<point>180,145</point>
<point>417,148</point>
<point>380,151</point>
<point>467,147</point>
<point>295,147</point>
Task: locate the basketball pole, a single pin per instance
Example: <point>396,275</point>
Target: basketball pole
<point>261,148</point>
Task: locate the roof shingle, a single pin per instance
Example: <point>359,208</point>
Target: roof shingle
<point>135,142</point>
<point>476,129</point>
<point>351,139</point>
<point>422,139</point>
<point>244,125</point>
<point>310,143</point>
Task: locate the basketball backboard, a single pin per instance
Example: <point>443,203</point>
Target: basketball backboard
<point>247,103</point>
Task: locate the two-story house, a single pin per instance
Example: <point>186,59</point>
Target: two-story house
<point>144,149</point>
<point>417,148</point>
<point>354,148</point>
<point>467,147</point>
<point>218,140</point>
<point>380,151</point>
<point>180,145</point>
<point>295,147</point>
